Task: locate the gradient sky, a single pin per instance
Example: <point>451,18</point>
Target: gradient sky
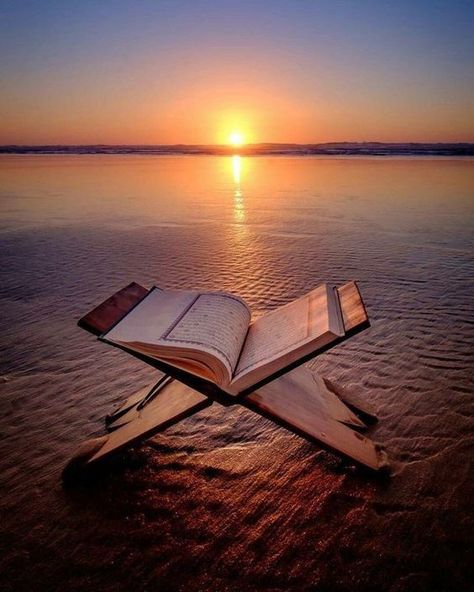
<point>278,71</point>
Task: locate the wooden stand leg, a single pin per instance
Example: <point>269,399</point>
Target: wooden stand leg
<point>301,402</point>
<point>171,404</point>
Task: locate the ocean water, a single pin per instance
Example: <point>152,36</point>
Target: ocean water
<point>226,500</point>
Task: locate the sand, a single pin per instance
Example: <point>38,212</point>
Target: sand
<point>226,500</point>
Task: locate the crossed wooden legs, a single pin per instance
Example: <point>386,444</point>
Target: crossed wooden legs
<point>299,401</point>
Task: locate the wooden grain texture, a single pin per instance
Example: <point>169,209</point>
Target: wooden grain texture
<point>353,310</point>
<point>296,402</point>
<point>354,401</point>
<point>113,420</point>
<point>172,404</point>
<point>132,407</point>
<point>299,401</point>
<point>108,313</point>
<point>334,405</point>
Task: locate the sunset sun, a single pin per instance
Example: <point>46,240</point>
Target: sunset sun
<point>236,139</point>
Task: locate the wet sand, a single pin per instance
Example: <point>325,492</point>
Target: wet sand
<point>226,500</point>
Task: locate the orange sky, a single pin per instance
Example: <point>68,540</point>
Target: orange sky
<point>162,73</point>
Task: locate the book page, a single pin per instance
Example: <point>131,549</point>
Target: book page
<point>285,330</point>
<point>172,320</point>
<point>275,332</point>
<point>213,320</point>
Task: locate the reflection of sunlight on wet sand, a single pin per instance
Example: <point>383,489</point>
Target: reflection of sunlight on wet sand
<point>245,261</point>
<point>239,206</point>
<point>236,168</point>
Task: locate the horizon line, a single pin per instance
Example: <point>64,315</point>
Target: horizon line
<point>261,149</point>
<point>243,146</point>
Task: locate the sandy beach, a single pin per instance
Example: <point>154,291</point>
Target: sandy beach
<point>227,501</point>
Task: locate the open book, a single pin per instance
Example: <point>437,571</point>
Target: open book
<point>211,334</point>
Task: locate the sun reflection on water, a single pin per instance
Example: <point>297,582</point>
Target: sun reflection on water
<point>239,205</point>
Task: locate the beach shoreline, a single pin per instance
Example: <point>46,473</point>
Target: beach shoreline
<point>226,500</point>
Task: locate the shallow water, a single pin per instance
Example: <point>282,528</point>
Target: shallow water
<point>226,500</point>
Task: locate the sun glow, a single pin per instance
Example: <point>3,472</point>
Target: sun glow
<point>236,139</point>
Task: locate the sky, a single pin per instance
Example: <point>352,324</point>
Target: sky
<point>194,72</point>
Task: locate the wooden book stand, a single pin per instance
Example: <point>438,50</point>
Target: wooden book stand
<point>296,399</point>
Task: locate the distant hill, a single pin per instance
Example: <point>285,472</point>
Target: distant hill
<point>331,148</point>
